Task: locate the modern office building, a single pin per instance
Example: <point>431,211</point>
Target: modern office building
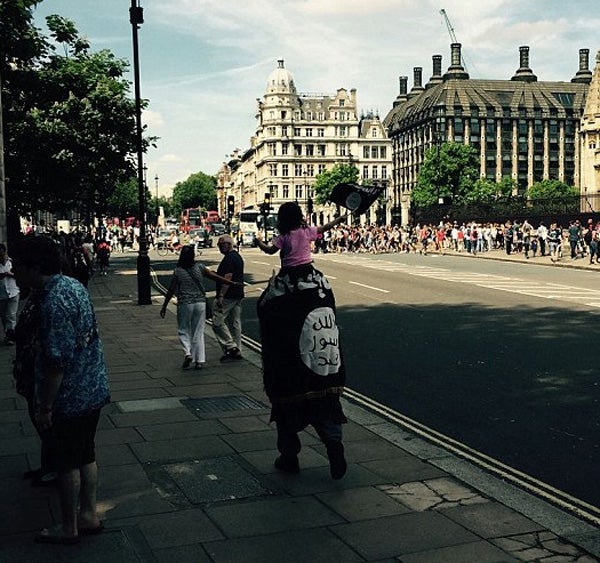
<point>298,136</point>
<point>522,127</point>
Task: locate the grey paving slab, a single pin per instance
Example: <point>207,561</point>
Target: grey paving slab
<point>183,554</point>
<point>151,393</point>
<point>140,383</point>
<point>362,503</point>
<point>204,390</point>
<point>186,527</point>
<point>118,477</point>
<point>181,449</point>
<point>115,454</point>
<point>476,552</point>
<point>394,536</point>
<point>492,520</point>
<point>146,418</point>
<point>305,546</point>
<point>371,450</point>
<point>263,460</point>
<point>13,465</point>
<point>251,441</point>
<point>110,436</point>
<point>185,429</point>
<point>10,446</point>
<point>148,405</point>
<point>246,424</point>
<point>270,516</point>
<point>127,503</point>
<point>403,469</point>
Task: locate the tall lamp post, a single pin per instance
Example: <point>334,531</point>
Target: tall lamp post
<point>157,206</point>
<point>136,17</point>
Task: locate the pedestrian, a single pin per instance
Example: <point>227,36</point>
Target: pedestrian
<point>103,256</point>
<point>70,384</point>
<point>227,312</point>
<point>574,233</point>
<point>187,285</point>
<point>9,297</point>
<point>303,368</point>
<point>80,261</point>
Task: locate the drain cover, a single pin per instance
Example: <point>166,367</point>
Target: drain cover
<point>212,480</point>
<point>223,404</point>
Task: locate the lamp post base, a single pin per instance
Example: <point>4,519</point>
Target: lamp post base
<point>143,279</point>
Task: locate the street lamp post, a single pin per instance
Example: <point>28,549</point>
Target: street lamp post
<point>136,17</point>
<point>157,206</point>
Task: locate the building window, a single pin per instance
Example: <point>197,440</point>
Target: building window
<point>297,169</point>
<point>283,114</point>
<point>320,132</point>
<point>342,116</point>
<point>342,102</point>
<point>272,148</point>
<point>342,131</point>
<point>274,191</point>
<point>365,173</point>
<point>309,131</point>
<point>366,152</point>
<point>272,169</point>
<point>310,149</point>
<point>284,148</point>
<point>285,170</point>
<point>284,130</point>
<point>297,150</point>
<point>375,152</point>
<point>310,170</point>
<point>341,149</point>
<point>297,115</point>
<point>374,132</point>
<point>309,115</point>
<point>375,174</point>
<point>321,168</point>
<point>384,174</point>
<point>382,152</point>
<point>321,150</point>
<point>299,191</point>
<point>296,131</point>
<point>321,116</point>
<point>285,191</point>
<point>272,131</point>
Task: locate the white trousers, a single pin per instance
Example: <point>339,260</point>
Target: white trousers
<point>8,313</point>
<point>227,324</point>
<point>190,329</point>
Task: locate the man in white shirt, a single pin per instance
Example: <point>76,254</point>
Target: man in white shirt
<point>9,297</point>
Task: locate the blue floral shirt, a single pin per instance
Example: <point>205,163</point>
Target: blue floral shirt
<point>69,340</point>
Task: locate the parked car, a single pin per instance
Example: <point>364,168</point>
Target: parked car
<point>217,229</point>
<point>200,236</point>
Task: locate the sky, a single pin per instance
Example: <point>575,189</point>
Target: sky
<point>204,63</point>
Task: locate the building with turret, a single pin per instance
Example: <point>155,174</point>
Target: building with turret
<point>521,127</point>
<point>298,136</point>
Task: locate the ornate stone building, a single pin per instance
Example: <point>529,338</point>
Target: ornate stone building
<point>590,138</point>
<point>523,128</point>
<point>299,135</point>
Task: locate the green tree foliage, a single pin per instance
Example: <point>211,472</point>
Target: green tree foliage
<point>448,171</point>
<point>551,189</point>
<point>329,179</point>
<point>198,190</point>
<point>70,124</point>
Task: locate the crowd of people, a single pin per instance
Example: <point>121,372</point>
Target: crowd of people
<point>471,237</point>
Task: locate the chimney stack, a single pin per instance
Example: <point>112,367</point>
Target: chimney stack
<point>456,70</point>
<point>584,74</point>
<point>524,74</point>
<point>436,77</point>
<point>403,94</point>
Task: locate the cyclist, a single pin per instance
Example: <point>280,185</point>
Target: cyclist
<point>173,244</point>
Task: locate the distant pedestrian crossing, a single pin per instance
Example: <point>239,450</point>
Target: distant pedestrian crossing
<point>543,290</point>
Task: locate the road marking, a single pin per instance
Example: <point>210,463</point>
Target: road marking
<point>369,287</point>
<point>542,290</point>
<point>262,263</point>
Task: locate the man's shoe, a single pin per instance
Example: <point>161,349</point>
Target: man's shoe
<point>337,462</point>
<point>232,354</point>
<point>287,464</point>
<point>187,361</point>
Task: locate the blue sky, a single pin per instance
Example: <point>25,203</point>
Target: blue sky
<point>204,62</point>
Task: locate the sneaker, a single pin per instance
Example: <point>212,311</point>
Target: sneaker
<point>287,464</point>
<point>337,462</point>
<point>186,362</point>
<point>232,354</point>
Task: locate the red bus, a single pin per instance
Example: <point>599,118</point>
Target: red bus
<point>190,218</point>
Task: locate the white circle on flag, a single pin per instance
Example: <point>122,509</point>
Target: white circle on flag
<point>353,201</point>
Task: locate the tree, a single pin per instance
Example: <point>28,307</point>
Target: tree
<point>198,190</point>
<point>329,179</point>
<point>124,199</point>
<point>551,189</point>
<point>448,171</point>
<point>72,136</point>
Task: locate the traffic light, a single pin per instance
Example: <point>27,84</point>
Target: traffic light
<point>267,203</point>
<point>230,206</point>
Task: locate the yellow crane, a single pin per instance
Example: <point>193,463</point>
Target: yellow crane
<point>452,35</point>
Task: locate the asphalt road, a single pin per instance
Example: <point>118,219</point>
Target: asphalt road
<point>499,356</point>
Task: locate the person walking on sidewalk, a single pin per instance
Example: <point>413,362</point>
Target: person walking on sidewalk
<point>70,387</point>
<point>187,285</point>
<point>9,297</point>
<point>303,368</point>
<point>227,313</point>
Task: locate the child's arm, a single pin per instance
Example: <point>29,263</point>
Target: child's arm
<point>268,248</point>
<point>321,229</point>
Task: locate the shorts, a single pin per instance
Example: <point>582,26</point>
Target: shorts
<point>71,442</point>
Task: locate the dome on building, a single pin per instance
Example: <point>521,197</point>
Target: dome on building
<point>281,80</point>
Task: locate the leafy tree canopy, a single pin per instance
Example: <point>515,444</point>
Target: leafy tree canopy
<point>448,171</point>
<point>329,179</point>
<point>198,190</point>
<point>551,189</point>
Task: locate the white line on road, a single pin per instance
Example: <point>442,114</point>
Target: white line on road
<point>263,263</point>
<point>369,287</point>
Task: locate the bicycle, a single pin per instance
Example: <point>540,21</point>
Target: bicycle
<point>163,249</point>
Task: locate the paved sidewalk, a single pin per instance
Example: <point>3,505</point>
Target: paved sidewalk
<point>186,472</point>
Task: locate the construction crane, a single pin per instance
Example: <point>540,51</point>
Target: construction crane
<point>452,35</point>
